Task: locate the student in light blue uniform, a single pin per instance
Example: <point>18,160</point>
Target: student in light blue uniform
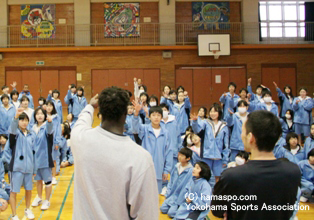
<point>227,99</point>
<point>267,104</point>
<point>309,141</point>
<point>166,93</point>
<point>307,180</point>
<point>279,150</point>
<point>145,106</point>
<point>54,96</point>
<point>42,102</point>
<point>79,102</point>
<point>14,95</point>
<point>286,99</point>
<point>43,132</point>
<point>29,111</point>
<point>65,139</point>
<point>171,125</point>
<point>51,111</point>
<point>170,101</point>
<point>215,151</point>
<point>258,96</point>
<point>155,139</point>
<point>183,107</point>
<point>202,113</point>
<point>180,176</point>
<point>294,152</point>
<point>244,95</point>
<point>129,118</point>
<point>26,92</point>
<point>198,188</point>
<point>70,120</point>
<point>3,141</point>
<point>287,123</point>
<point>4,194</point>
<point>302,106</point>
<point>67,100</point>
<point>22,165</point>
<point>9,113</point>
<point>237,120</point>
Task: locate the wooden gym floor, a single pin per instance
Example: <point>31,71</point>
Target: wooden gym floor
<point>62,198</point>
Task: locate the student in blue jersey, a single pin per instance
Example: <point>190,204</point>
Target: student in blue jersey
<point>26,92</point>
<point>43,132</point>
<point>70,120</point>
<point>9,113</point>
<point>241,158</point>
<point>22,165</point>
<point>215,151</point>
<point>302,106</point>
<point>287,123</point>
<point>180,176</point>
<point>29,111</point>
<point>266,103</point>
<point>183,107</point>
<point>165,92</point>
<point>171,124</point>
<point>52,112</point>
<point>294,151</point>
<point>14,95</point>
<point>5,90</point>
<point>227,99</point>
<point>66,153</point>
<point>202,113</point>
<point>286,99</point>
<point>244,95</point>
<point>3,141</point>
<point>259,89</point>
<point>153,101</point>
<point>279,150</point>
<point>237,120</point>
<point>54,96</point>
<point>309,141</point>
<point>144,101</point>
<point>170,101</point>
<point>79,102</point>
<point>42,102</point>
<point>128,121</point>
<point>198,187</point>
<point>4,194</point>
<point>67,100</point>
<point>155,139</point>
<point>307,181</point>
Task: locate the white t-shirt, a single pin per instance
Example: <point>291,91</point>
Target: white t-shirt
<point>29,113</point>
<point>217,126</point>
<point>268,107</point>
<point>16,104</point>
<point>123,173</point>
<point>289,122</point>
<point>157,132</point>
<point>295,151</point>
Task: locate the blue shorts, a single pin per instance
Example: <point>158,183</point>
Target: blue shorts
<point>18,179</point>
<point>215,166</point>
<point>302,129</point>
<point>44,174</point>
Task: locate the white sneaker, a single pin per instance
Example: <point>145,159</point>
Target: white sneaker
<point>303,199</point>
<point>163,191</point>
<point>54,181</point>
<point>15,218</point>
<point>37,201</point>
<point>295,218</point>
<point>29,214</point>
<point>45,205</point>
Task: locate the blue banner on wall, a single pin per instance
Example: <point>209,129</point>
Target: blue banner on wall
<point>205,13</point>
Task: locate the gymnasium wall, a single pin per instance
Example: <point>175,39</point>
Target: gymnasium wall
<point>86,61</point>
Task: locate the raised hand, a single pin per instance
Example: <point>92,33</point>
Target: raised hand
<point>69,87</point>
<point>249,81</point>
<point>137,107</point>
<point>249,96</point>
<point>135,79</point>
<point>231,113</point>
<point>49,118</point>
<point>14,84</point>
<point>298,100</point>
<point>19,111</point>
<point>185,93</point>
<point>275,84</point>
<point>193,116</point>
<point>50,92</point>
<point>225,94</point>
<point>94,101</point>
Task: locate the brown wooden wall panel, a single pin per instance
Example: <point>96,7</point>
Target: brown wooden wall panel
<point>184,77</point>
<point>152,81</point>
<point>14,76</point>
<point>270,75</point>
<point>238,76</point>
<point>49,80</point>
<point>288,76</point>
<point>100,81</point>
<point>219,88</point>
<point>201,87</point>
<point>66,77</point>
<point>32,79</point>
<point>117,77</point>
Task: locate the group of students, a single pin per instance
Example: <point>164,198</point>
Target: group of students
<point>211,140</point>
<point>35,142</point>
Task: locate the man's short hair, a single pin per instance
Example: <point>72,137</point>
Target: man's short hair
<point>113,103</point>
<point>265,127</point>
